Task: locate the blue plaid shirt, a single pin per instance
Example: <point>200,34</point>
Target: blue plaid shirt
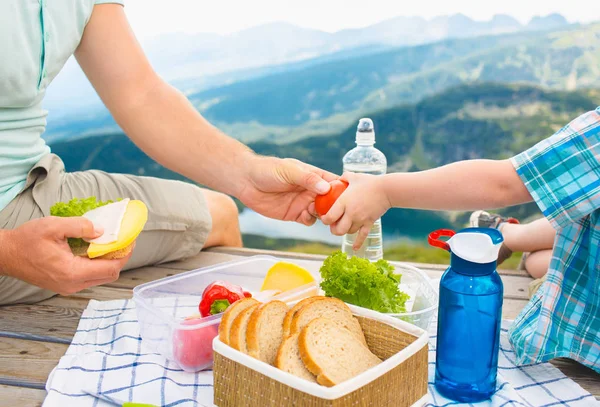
<point>562,173</point>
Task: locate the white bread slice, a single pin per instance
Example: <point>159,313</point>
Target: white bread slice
<point>81,251</point>
<point>237,334</point>
<point>265,331</point>
<point>331,308</point>
<point>229,316</point>
<point>287,321</point>
<point>288,359</point>
<point>333,353</point>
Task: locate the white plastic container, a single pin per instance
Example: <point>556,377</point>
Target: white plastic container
<point>163,306</point>
<point>424,296</point>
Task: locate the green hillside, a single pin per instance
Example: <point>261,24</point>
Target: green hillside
<point>564,60</point>
<point>471,121</point>
<point>476,121</point>
<point>295,97</point>
<point>276,104</point>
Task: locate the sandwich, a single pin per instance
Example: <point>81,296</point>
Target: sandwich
<point>122,221</point>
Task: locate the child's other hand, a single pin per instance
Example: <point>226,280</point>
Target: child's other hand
<point>358,207</point>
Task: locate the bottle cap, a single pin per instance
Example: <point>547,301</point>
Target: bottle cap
<point>476,245</point>
<point>365,132</point>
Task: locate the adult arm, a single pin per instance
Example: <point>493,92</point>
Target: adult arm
<point>164,124</point>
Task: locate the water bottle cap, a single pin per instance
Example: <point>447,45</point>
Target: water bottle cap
<point>477,245</point>
<point>365,132</point>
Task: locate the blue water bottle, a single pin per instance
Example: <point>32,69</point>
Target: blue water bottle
<point>469,315</point>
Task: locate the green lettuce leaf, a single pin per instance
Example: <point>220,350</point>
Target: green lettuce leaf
<point>358,281</point>
<point>76,207</point>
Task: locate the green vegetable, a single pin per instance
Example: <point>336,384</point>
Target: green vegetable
<point>76,207</point>
<point>362,283</point>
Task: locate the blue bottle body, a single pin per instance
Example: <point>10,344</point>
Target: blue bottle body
<point>468,333</point>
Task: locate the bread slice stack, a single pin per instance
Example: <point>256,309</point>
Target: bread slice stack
<point>318,339</point>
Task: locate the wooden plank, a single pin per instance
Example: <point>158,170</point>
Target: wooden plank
<point>211,257</point>
<point>53,320</point>
<point>81,299</point>
<point>515,284</point>
<point>244,251</point>
<point>584,376</point>
<point>132,278</point>
<point>56,319</point>
<point>515,287</point>
<point>11,396</point>
<point>512,307</point>
<point>39,322</point>
<point>28,363</point>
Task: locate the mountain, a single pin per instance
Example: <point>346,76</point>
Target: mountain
<point>207,54</point>
<point>84,118</point>
<point>567,59</point>
<point>402,31</point>
<point>318,96</point>
<point>494,121</point>
<point>198,61</point>
<point>293,98</point>
<point>549,22</point>
<point>181,55</point>
<point>488,120</point>
<point>471,121</point>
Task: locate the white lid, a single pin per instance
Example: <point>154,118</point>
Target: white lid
<point>474,247</point>
<point>365,131</point>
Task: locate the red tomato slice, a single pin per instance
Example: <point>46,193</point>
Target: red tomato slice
<point>323,203</point>
<point>192,349</point>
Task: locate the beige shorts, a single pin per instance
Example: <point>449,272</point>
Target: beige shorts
<point>178,217</point>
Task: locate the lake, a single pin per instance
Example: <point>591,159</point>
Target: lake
<point>253,223</point>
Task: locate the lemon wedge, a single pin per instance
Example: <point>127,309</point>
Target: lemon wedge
<point>284,276</point>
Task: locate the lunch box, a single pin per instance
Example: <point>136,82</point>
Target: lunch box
<point>423,292</point>
<point>400,380</point>
<point>163,306</point>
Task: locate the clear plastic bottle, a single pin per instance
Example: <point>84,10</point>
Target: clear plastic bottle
<point>365,159</point>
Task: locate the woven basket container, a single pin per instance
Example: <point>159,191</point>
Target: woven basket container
<point>401,380</point>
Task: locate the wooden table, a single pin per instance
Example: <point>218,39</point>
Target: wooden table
<point>34,337</point>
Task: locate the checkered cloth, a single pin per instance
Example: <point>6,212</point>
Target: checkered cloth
<point>108,357</point>
<point>562,174</point>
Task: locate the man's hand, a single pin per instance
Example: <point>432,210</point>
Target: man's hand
<point>284,188</point>
<point>37,252</point>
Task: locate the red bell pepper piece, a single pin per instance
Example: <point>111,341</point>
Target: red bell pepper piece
<point>218,296</point>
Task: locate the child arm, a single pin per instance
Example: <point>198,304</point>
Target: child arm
<point>465,185</point>
<point>461,186</point>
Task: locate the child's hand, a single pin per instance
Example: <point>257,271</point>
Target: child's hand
<point>358,207</point>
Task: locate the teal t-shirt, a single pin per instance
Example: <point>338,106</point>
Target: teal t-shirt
<point>37,37</point>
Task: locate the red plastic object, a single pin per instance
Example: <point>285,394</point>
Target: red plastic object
<point>192,348</point>
<point>434,238</point>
